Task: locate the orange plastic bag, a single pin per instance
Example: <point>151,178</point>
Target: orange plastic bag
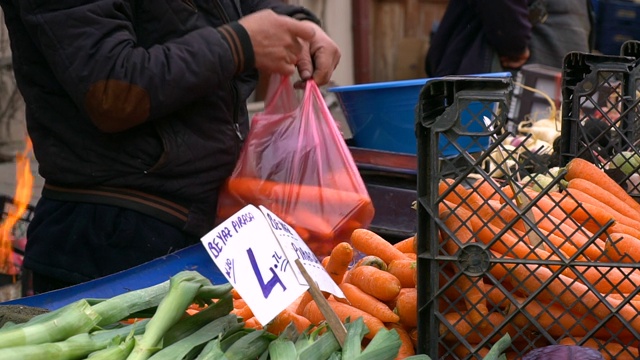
<point>296,163</point>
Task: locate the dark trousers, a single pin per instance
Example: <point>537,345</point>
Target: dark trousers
<point>70,242</point>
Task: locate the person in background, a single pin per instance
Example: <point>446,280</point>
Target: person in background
<point>482,36</point>
<point>137,113</point>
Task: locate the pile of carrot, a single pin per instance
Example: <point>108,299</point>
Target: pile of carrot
<point>567,271</point>
<point>321,215</point>
<point>378,279</point>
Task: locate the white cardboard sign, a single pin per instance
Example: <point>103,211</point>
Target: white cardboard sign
<point>256,252</point>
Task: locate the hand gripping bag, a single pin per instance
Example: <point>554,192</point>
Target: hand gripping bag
<point>296,163</point>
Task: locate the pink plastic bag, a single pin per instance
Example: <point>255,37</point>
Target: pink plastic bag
<point>296,163</point>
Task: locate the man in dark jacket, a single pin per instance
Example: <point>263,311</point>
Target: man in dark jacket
<point>137,113</point>
<point>481,36</point>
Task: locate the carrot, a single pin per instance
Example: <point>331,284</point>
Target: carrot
<point>579,168</point>
<point>605,196</point>
<point>325,261</point>
<point>239,303</point>
<point>305,299</point>
<point>589,213</point>
<point>508,244</point>
<point>375,282</point>
<point>608,349</point>
<point>344,311</point>
<point>254,188</point>
<point>371,260</point>
<point>286,317</point>
<point>464,329</point>
<point>474,298</point>
<point>365,302</point>
<point>405,271</point>
<point>370,243</point>
<point>552,317</point>
<point>243,312</point>
<point>570,294</point>
<point>486,189</point>
<point>407,307</point>
<point>413,334</point>
<point>623,247</point>
<point>407,245</point>
<point>412,256</point>
<point>235,294</point>
<point>339,261</point>
<point>406,347</point>
<point>253,323</point>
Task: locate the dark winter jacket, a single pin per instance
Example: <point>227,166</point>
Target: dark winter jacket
<point>473,33</point>
<point>139,104</point>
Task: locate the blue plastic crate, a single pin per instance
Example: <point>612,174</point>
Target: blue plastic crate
<point>381,116</point>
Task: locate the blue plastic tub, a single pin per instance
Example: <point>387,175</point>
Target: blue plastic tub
<point>151,273</point>
<point>381,116</point>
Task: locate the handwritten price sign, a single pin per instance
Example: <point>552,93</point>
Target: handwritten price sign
<point>256,251</point>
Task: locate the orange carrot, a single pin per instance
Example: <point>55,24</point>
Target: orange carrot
<point>463,328</point>
<point>610,350</point>
<point>243,312</point>
<point>405,271</point>
<point>570,294</point>
<point>286,317</point>
<point>486,189</point>
<point>370,243</point>
<point>254,188</point>
<point>413,334</point>
<point>606,196</point>
<point>344,311</point>
<point>339,261</point>
<point>371,260</point>
<point>623,248</point>
<point>365,302</point>
<point>305,299</point>
<point>552,317</point>
<point>474,298</point>
<point>325,261</point>
<point>407,245</point>
<point>253,323</point>
<point>583,208</point>
<point>375,282</point>
<point>579,168</point>
<point>412,256</point>
<point>406,347</point>
<point>407,307</point>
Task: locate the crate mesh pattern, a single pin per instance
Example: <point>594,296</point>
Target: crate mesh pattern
<point>495,257</point>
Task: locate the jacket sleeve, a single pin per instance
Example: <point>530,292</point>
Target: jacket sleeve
<point>506,25</point>
<point>91,48</point>
<point>298,12</point>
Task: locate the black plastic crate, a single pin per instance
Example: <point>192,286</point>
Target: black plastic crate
<point>19,235</point>
<point>485,267</point>
<point>600,114</point>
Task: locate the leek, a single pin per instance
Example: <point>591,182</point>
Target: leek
<point>75,318</point>
<point>74,347</point>
<point>118,351</point>
<point>183,289</point>
<point>211,351</point>
<point>189,325</point>
<point>196,341</point>
<point>250,346</point>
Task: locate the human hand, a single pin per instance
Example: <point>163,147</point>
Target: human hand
<point>319,57</point>
<point>515,62</point>
<point>278,41</point>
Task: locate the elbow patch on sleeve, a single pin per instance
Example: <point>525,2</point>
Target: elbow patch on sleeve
<point>239,42</point>
<point>114,105</point>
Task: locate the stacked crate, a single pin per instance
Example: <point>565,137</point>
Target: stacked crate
<point>617,21</point>
<point>489,263</point>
